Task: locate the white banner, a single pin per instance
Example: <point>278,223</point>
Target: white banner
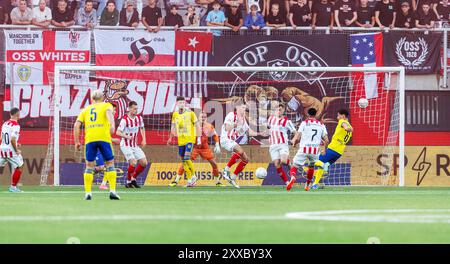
<point>31,56</point>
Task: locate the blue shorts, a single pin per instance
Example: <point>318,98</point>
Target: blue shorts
<point>105,149</point>
<point>186,148</point>
<point>99,161</point>
<point>330,156</point>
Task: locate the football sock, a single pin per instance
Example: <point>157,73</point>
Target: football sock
<point>282,174</point>
<point>130,172</point>
<point>112,178</point>
<point>139,169</point>
<point>319,174</point>
<point>293,172</point>
<point>309,175</point>
<point>240,167</point>
<point>16,177</point>
<point>233,160</point>
<point>88,178</point>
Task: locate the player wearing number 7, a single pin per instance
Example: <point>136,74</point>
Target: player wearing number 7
<point>341,137</point>
<point>98,121</point>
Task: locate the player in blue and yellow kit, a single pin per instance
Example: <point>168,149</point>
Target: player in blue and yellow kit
<point>341,137</point>
<point>186,127</point>
<point>98,121</point>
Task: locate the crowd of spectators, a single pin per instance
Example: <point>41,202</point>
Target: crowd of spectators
<point>253,14</point>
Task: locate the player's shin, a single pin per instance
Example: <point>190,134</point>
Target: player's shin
<point>319,174</point>
<point>240,167</point>
<point>180,173</point>
<point>293,171</point>
<point>88,179</point>
<point>191,168</point>
<point>139,170</point>
<point>282,174</point>
<point>234,158</point>
<point>187,170</point>
<point>309,175</point>
<point>130,173</point>
<point>112,177</point>
<point>16,176</point>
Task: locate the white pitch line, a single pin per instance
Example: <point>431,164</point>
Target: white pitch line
<point>378,216</point>
<point>58,218</point>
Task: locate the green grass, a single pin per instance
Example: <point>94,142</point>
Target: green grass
<point>205,215</point>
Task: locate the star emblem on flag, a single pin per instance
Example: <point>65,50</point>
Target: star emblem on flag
<point>193,42</point>
<point>363,50</point>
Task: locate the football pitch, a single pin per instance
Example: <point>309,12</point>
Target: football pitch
<point>226,215</point>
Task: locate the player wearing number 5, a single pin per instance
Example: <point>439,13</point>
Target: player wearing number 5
<point>341,137</point>
<point>98,121</point>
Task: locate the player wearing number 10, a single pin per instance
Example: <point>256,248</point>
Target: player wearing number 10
<point>98,120</point>
<point>341,137</point>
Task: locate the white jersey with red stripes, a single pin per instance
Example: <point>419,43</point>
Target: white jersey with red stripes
<point>312,133</point>
<point>240,130</point>
<point>130,127</point>
<point>279,127</point>
<point>10,129</point>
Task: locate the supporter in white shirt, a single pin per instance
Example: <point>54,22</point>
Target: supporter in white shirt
<point>42,15</point>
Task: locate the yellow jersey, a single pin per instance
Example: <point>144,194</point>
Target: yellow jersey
<point>96,124</point>
<point>340,137</point>
<point>185,126</point>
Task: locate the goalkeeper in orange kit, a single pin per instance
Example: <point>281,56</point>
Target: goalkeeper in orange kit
<point>207,130</point>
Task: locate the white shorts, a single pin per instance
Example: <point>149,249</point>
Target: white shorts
<point>277,150</point>
<point>15,161</point>
<point>303,159</point>
<point>228,144</point>
<point>132,153</point>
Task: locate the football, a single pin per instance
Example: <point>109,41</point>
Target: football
<point>261,173</point>
<point>363,102</point>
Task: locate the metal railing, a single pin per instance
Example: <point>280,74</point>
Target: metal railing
<point>283,31</point>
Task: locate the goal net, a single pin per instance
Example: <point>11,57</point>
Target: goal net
<point>374,155</point>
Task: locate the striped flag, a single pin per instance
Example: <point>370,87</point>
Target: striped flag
<point>366,51</point>
<point>192,50</point>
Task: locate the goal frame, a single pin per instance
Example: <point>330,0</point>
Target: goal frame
<point>61,68</point>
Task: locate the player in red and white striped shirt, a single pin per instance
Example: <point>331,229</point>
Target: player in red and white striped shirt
<point>9,150</point>
<point>312,133</point>
<point>235,127</point>
<point>128,130</point>
<point>279,126</point>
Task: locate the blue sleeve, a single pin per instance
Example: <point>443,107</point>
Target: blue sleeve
<point>248,21</point>
<point>208,17</point>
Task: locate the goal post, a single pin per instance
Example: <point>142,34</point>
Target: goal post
<point>336,87</point>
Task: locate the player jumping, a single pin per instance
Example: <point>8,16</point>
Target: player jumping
<point>279,126</point>
<point>235,126</point>
<point>341,137</point>
<point>186,127</point>
<point>98,120</point>
<point>207,130</point>
<point>129,127</point>
<point>9,150</point>
<point>311,134</point>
